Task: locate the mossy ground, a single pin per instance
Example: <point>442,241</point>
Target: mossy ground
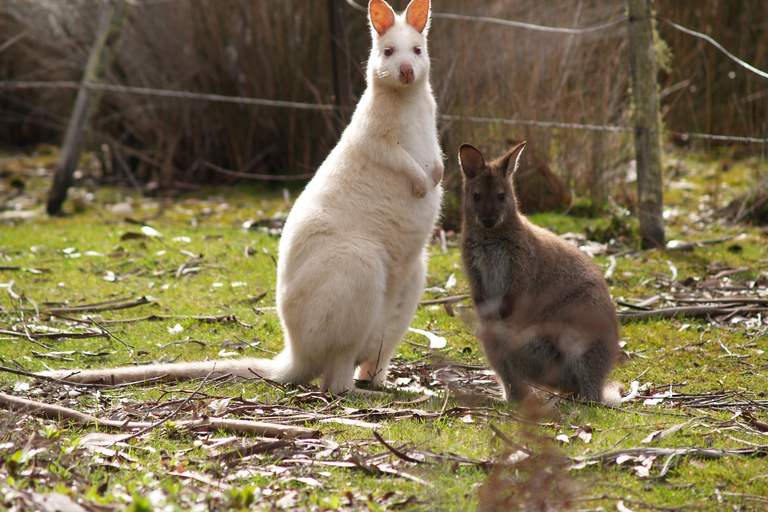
<point>207,263</point>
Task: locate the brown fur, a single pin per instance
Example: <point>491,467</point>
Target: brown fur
<point>545,313</point>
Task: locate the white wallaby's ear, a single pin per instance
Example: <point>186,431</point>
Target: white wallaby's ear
<point>471,160</point>
<point>511,161</point>
<point>417,14</point>
<point>382,16</point>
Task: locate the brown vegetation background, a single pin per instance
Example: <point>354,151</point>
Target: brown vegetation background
<point>281,50</point>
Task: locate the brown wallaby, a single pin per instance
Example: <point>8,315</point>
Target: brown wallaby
<point>545,313</point>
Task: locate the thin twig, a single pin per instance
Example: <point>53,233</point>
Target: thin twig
<point>126,345</point>
<point>397,453</point>
<point>444,300</point>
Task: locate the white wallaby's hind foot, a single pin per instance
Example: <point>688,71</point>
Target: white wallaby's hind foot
<point>395,320</point>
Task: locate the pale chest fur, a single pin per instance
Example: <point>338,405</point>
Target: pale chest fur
<point>492,267</point>
<point>417,132</point>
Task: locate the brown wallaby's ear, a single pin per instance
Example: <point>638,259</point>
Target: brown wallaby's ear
<point>417,14</point>
<point>471,160</point>
<point>382,16</point>
<point>511,161</point>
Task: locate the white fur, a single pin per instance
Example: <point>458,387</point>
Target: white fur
<point>352,259</point>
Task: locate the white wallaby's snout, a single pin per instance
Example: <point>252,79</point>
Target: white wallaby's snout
<point>407,75</point>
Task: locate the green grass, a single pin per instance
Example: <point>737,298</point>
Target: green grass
<point>680,354</point>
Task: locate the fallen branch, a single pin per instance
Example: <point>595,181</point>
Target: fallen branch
<point>208,319</point>
<point>704,453</point>
<point>724,300</point>
<point>241,453</point>
<point>677,245</point>
<point>56,335</point>
<point>207,424</point>
<point>689,311</point>
<point>395,451</point>
<point>444,300</point>
<point>101,306</point>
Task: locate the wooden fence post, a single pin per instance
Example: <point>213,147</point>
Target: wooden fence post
<point>107,34</point>
<point>342,82</point>
<point>645,117</point>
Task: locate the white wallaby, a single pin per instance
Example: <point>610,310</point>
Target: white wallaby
<point>352,259</point>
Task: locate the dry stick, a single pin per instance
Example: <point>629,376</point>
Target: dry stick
<point>444,300</point>
<point>706,453</point>
<point>33,336</point>
<point>673,270</point>
<point>101,306</point>
<point>698,243</point>
<point>507,440</point>
<point>174,413</point>
<point>247,451</point>
<point>720,342</point>
<point>208,319</point>
<point>395,451</point>
<point>691,311</point>
<point>126,345</point>
<point>57,412</point>
<point>724,300</point>
<point>254,346</point>
<point>26,330</point>
<point>754,423</point>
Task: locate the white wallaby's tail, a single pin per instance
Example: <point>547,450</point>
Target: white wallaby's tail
<point>280,369</point>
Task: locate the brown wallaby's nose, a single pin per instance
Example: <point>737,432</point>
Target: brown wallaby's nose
<point>488,221</point>
<point>407,76</point>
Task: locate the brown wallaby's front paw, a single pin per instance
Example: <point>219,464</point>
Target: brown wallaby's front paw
<point>419,186</point>
<point>437,172</point>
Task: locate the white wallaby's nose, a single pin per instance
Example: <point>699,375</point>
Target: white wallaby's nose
<point>407,76</point>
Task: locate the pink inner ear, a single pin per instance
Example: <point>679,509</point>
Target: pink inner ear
<point>382,16</point>
<point>417,14</point>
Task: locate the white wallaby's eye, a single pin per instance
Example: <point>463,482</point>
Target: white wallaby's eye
<point>389,51</point>
<point>501,197</point>
<point>417,50</point>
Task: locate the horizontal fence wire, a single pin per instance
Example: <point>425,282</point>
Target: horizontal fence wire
<point>588,30</point>
<point>446,117</point>
<point>323,107</point>
<point>163,92</point>
<point>510,23</point>
<point>714,43</point>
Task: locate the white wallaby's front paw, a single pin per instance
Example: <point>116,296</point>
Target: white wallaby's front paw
<point>437,172</point>
<point>419,186</point>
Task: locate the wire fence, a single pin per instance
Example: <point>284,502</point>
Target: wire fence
<point>187,95</point>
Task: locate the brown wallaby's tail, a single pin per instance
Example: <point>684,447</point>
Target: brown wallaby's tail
<point>280,369</point>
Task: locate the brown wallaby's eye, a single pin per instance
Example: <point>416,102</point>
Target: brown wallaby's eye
<point>388,51</point>
<point>502,197</point>
<point>417,50</point>
<point>476,197</point>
